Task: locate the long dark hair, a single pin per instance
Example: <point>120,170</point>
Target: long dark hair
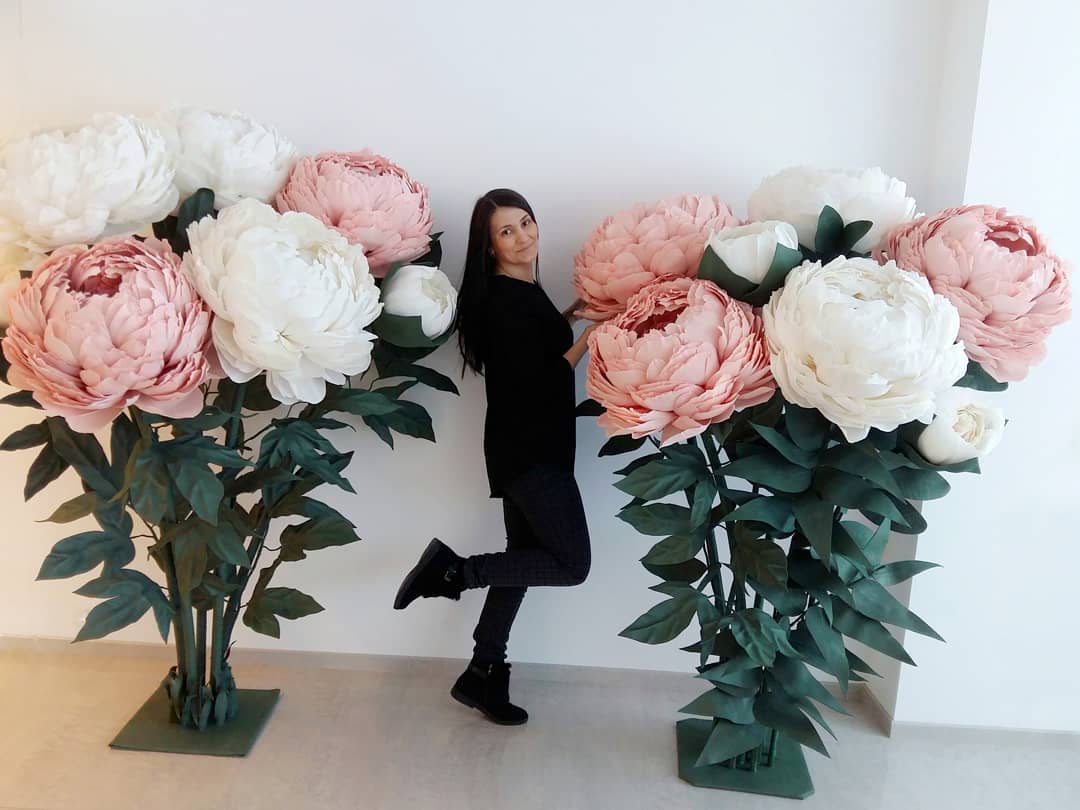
<point>479,268</point>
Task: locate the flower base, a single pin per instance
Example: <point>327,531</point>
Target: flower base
<point>154,727</point>
<point>788,777</point>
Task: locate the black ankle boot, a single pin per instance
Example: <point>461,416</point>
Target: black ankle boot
<point>487,687</point>
<point>439,573</point>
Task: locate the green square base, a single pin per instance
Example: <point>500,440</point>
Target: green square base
<point>788,777</point>
<point>154,729</point>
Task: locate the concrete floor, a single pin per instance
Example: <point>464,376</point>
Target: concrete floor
<point>372,732</point>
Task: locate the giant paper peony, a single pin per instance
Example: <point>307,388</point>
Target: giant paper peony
<point>1009,288</point>
<point>111,176</point>
<point>371,201</point>
<point>868,345</point>
<point>635,248</point>
<point>231,153</point>
<point>797,195</point>
<point>291,297</point>
<point>683,355</point>
<point>99,328</point>
<point>422,292</point>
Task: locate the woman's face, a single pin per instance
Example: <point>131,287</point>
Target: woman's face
<point>514,237</point>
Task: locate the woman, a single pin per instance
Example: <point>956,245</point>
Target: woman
<point>509,331</point>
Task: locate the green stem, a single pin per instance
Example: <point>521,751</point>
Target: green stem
<point>200,645</point>
<point>712,554</point>
<point>254,548</point>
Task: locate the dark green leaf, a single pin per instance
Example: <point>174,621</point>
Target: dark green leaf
<point>199,486</point>
<point>828,239</point>
<point>738,676</point>
<point>29,436</point>
<point>317,533</point>
<point>78,507</point>
<point>979,379</point>
<point>830,643</point>
<point>921,485</point>
<point>658,519</point>
<point>759,635</point>
<point>701,508</point>
<point>770,470</point>
<point>226,544</point>
<point>674,549</point>
<point>815,518</point>
<point>589,407</point>
<point>21,399</point>
<point>715,703</point>
<point>728,740</point>
<point>788,601</point>
<point>861,461</point>
<point>689,571</point>
<point>798,682</point>
<point>83,452</point>
<point>871,599</point>
<point>289,603</point>
<point>432,378</point>
<point>659,479</point>
<point>45,469</point>
<point>806,426</point>
<point>785,447</point>
<point>777,710</point>
<point>618,445</point>
<point>902,571</point>
<point>853,232</point>
<point>410,419</point>
<point>640,461</point>
<point>663,622</point>
<point>190,542</point>
<point>772,510</point>
<point>113,614</point>
<point>359,402</point>
<point>870,632</point>
<point>784,260</point>
<point>762,560</point>
<point>713,268</point>
<point>122,440</point>
<point>150,486</point>
<point>872,541</point>
<point>852,492</point>
<point>405,331</point>
<point>76,555</point>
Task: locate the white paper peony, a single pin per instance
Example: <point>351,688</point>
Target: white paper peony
<point>291,297</point>
<point>748,250</point>
<point>231,153</point>
<point>421,291</point>
<point>798,194</point>
<point>111,176</point>
<point>868,345</point>
<point>964,427</point>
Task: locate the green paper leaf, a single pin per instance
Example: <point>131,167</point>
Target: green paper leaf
<point>359,402</point>
<point>689,571</point>
<point>315,534</point>
<point>701,507</point>
<point>617,445</point>
<point>122,440</point>
<point>851,492</point>
<point>785,447</point>
<point>202,489</point>
<point>770,470</point>
<point>713,268</point>
<point>27,437</point>
<point>797,681</point>
<point>76,508</point>
<point>658,519</point>
<point>664,621</point>
<point>784,260</point>
<point>289,603</point>
<point>226,544</point>
<point>21,399</point>
<point>779,711</point>
<point>45,469</point>
<point>872,600</point>
<point>787,601</point>
<point>815,518</point>
<point>150,486</point>
<point>674,549</point>
<point>830,643</point>
<point>200,204</point>
<point>897,572</point>
<point>762,560</point>
<point>658,479</point>
<point>772,510</point>
<point>76,555</point>
<point>830,232</point>
<point>869,631</point>
<point>853,232</point>
<point>112,615</point>
<point>715,703</point>
<point>921,485</point>
<point>806,426</point>
<point>979,379</point>
<point>760,636</point>
<point>190,543</point>
<point>728,740</point>
<point>589,407</point>
<point>871,541</point>
<point>738,676</point>
<point>861,461</point>
<point>83,452</point>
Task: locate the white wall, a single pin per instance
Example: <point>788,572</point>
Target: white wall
<point>584,109</point>
<point>1006,598</point>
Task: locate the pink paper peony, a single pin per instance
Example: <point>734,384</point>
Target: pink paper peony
<point>370,200</point>
<point>683,355</point>
<point>995,268</point>
<point>96,329</point>
<point>637,247</point>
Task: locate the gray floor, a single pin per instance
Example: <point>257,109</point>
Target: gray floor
<point>383,733</point>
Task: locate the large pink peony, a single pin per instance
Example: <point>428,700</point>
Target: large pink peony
<point>370,200</point>
<point>645,244</point>
<point>995,268</point>
<point>683,355</point>
<point>96,329</point>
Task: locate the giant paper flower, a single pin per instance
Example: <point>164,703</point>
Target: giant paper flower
<point>869,346</point>
<point>683,355</point>
<point>798,194</point>
<point>230,153</point>
<point>634,248</point>
<point>112,175</point>
<point>423,292</point>
<point>99,328</point>
<point>291,297</point>
<point>370,200</point>
<point>995,267</point>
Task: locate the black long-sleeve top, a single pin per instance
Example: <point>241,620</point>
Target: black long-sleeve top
<point>530,385</point>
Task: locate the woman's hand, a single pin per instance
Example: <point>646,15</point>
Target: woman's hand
<point>581,345</point>
<point>569,312</point>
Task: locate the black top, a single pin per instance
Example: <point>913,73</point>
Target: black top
<point>530,385</point>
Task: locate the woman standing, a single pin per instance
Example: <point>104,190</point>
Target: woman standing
<point>509,331</point>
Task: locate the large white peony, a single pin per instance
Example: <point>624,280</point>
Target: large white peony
<point>230,153</point>
<point>798,194</point>
<point>965,426</point>
<point>424,292</point>
<point>868,345</point>
<point>111,176</point>
<point>291,297</point>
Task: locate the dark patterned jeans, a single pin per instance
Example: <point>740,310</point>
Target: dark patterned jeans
<point>547,543</point>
